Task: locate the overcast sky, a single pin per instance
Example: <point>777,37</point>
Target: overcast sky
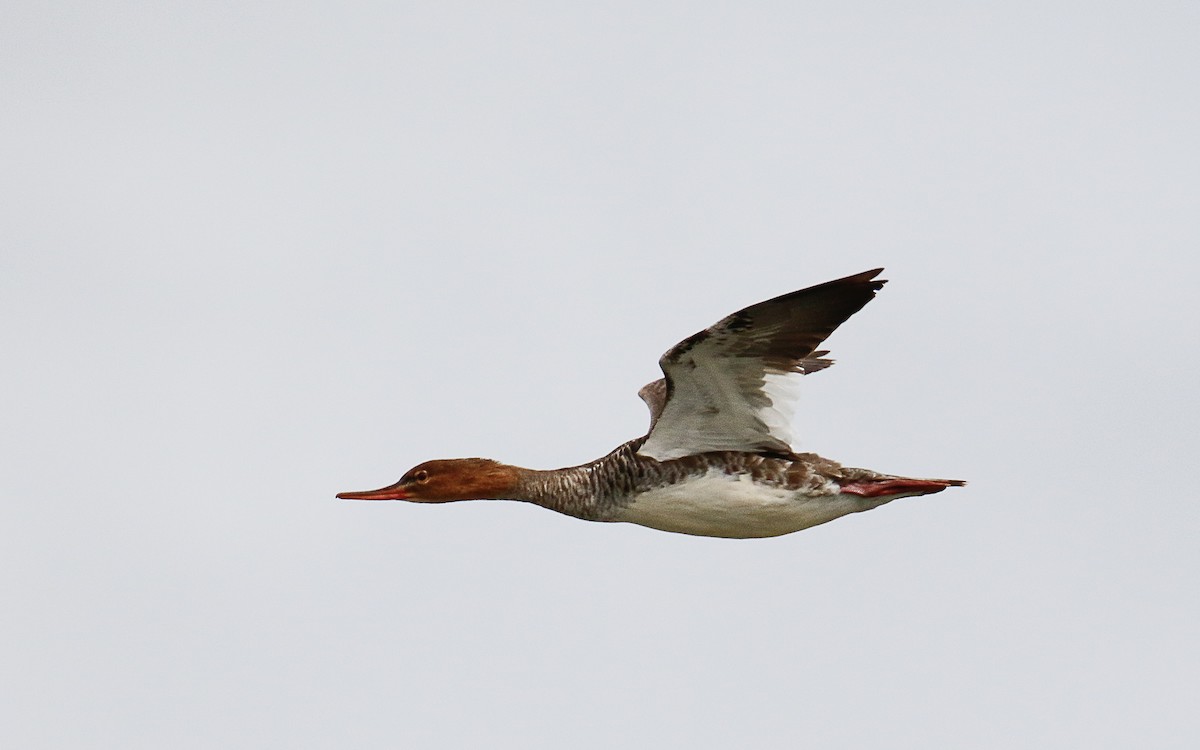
<point>253,254</point>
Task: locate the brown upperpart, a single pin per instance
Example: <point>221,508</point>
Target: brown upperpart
<point>447,480</point>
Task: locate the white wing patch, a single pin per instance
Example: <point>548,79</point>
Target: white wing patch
<point>783,390</point>
<point>725,405</point>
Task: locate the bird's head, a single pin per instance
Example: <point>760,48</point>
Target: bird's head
<point>447,480</point>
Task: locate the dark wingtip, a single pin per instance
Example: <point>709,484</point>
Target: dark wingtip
<point>867,276</point>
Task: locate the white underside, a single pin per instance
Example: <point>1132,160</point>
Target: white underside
<point>717,504</point>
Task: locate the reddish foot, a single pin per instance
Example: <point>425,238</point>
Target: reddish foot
<point>893,487</point>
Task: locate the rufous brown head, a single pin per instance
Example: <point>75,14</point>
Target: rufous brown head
<point>447,480</point>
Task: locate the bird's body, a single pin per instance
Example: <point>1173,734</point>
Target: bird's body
<point>717,460</point>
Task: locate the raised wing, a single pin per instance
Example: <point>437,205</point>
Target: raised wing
<point>731,387</point>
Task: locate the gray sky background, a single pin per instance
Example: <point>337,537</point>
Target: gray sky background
<point>254,254</point>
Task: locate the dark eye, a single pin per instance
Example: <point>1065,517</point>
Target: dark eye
<point>421,477</point>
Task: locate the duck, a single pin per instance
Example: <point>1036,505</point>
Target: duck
<point>717,460</point>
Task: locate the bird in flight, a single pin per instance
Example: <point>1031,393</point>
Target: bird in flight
<point>717,460</point>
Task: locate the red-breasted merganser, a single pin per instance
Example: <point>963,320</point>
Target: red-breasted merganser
<point>717,460</point>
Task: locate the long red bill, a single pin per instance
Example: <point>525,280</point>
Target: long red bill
<point>393,492</point>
